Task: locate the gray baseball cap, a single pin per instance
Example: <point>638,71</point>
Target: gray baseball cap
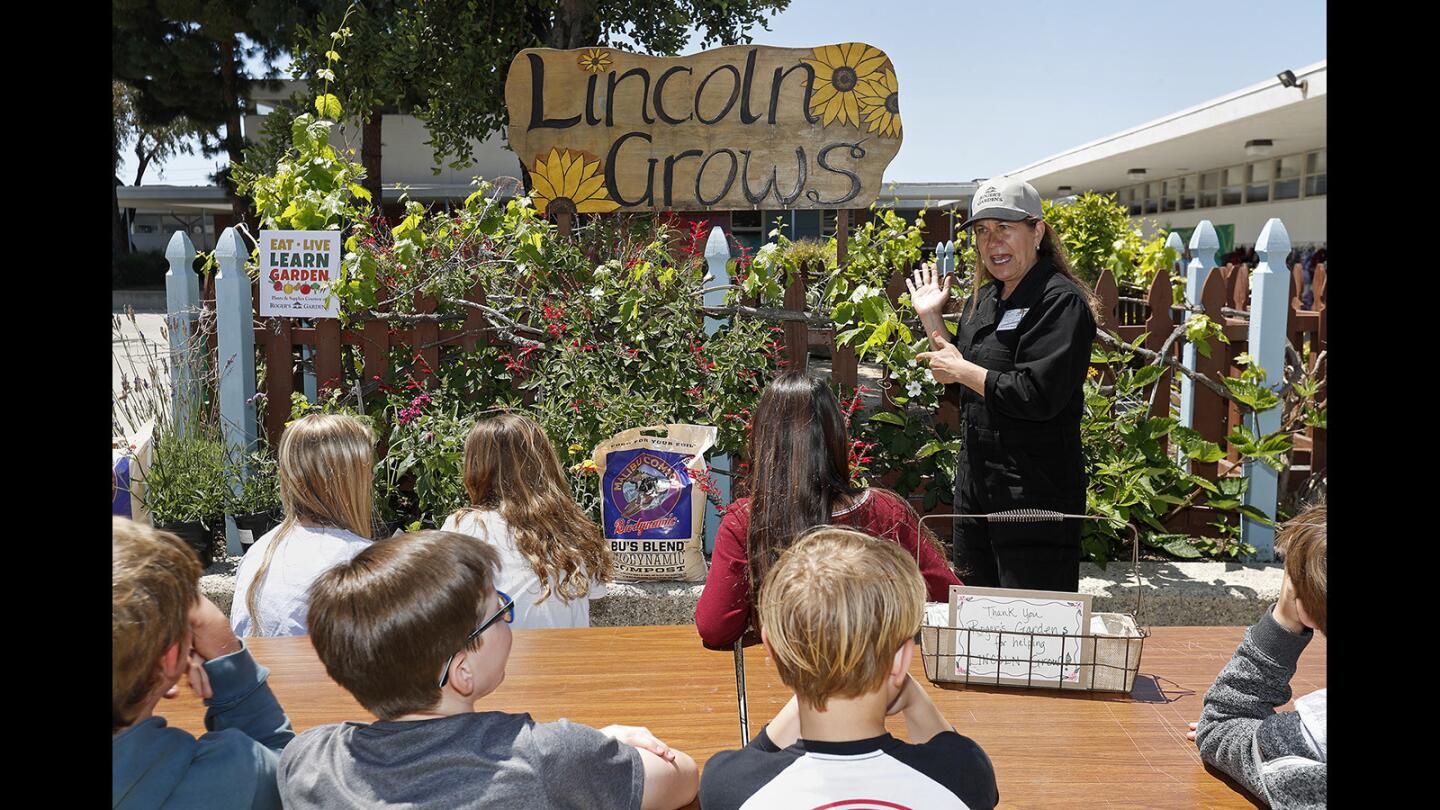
<point>1008,199</point>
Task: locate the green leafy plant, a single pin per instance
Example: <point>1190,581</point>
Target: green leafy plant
<point>1098,235</point>
<point>253,483</point>
<point>187,480</point>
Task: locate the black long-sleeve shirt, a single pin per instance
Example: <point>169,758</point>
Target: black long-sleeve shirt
<point>1036,348</point>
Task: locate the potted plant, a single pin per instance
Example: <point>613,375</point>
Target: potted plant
<point>254,496</point>
<point>186,490</point>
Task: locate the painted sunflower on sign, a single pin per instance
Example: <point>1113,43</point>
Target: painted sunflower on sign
<point>839,72</point>
<point>594,60</point>
<point>569,183</point>
<point>880,103</point>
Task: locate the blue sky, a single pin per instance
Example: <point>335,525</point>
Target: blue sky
<point>989,87</point>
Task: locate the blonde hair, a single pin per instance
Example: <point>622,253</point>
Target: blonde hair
<point>1302,542</point>
<point>835,608</point>
<point>511,468</point>
<point>155,581</point>
<point>326,471</point>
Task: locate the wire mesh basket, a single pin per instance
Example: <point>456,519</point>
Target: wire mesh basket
<point>1105,659</point>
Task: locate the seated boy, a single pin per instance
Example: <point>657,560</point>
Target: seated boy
<point>1278,757</point>
<point>838,615</point>
<point>161,629</point>
<point>414,628</point>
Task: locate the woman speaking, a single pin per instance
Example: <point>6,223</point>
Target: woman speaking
<point>1020,357</point>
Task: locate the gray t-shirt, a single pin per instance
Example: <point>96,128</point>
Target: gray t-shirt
<point>481,759</point>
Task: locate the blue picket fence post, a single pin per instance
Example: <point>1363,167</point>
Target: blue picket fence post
<point>235,344</point>
<point>1175,243</point>
<point>1203,244</point>
<point>182,303</point>
<point>717,255</point>
<point>1269,316</point>
<point>945,258</point>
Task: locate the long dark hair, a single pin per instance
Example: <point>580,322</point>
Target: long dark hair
<point>800,463</point>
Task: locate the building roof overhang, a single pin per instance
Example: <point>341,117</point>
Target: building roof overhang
<point>1206,136</point>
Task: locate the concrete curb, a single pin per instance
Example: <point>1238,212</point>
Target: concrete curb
<point>1176,593</point>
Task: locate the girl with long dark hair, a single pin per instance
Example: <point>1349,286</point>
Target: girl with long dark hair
<point>800,466</point>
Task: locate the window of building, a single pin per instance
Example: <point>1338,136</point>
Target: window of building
<point>1187,192</point>
<point>1315,174</point>
<point>1130,199</point>
<point>1287,178</point>
<point>1232,182</point>
<point>1152,198</point>
<point>1209,189</point>
<point>748,228</point>
<point>1169,194</point>
<point>1257,181</point>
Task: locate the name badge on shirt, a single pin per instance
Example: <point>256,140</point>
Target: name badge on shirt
<point>1011,319</point>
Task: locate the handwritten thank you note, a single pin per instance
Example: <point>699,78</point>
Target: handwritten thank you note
<point>1012,636</point>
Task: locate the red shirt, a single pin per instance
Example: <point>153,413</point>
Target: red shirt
<point>723,612</point>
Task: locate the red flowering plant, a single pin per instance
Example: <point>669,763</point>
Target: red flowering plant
<point>630,346</point>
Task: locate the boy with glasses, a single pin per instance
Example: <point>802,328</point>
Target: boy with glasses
<point>838,616</point>
<point>414,629</point>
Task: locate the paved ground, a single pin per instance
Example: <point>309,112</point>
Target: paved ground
<point>138,344</point>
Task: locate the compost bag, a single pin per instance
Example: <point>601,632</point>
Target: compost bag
<point>652,511</point>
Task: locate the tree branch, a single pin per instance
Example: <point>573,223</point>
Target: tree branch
<point>769,314</point>
<point>1220,390</point>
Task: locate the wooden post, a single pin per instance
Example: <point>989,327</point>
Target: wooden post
<point>563,222</point>
<point>326,354</point>
<point>797,333</point>
<point>1210,408</point>
<point>1158,326</point>
<point>182,302</point>
<point>1203,244</point>
<point>235,342</point>
<point>427,339</point>
<point>1267,345</point>
<point>844,366</point>
<point>717,255</point>
<point>279,377</point>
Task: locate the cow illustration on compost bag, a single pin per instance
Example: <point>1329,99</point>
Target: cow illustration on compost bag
<point>651,513</point>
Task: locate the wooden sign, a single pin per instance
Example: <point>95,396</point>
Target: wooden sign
<point>1016,637</point>
<point>740,127</point>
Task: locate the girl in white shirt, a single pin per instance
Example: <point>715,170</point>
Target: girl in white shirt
<point>326,464</point>
<point>553,559</point>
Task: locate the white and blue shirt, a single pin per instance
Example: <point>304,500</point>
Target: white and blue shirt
<point>949,771</point>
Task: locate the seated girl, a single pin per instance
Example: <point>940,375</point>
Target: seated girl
<point>326,466</point>
<point>800,468</point>
<point>553,560</point>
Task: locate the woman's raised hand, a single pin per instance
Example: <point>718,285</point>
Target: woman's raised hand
<point>928,293</point>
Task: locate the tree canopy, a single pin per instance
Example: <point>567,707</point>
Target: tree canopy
<point>445,61</point>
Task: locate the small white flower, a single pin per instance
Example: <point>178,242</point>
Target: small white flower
<point>929,377</point>
<point>911,364</point>
<point>326,73</point>
<point>913,389</point>
<point>596,292</point>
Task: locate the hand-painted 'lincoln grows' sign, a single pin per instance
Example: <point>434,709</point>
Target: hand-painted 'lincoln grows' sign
<point>740,127</point>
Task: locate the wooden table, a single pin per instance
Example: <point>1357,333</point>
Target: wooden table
<point>1050,749</point>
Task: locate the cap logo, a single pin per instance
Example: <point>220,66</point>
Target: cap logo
<point>992,195</point>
